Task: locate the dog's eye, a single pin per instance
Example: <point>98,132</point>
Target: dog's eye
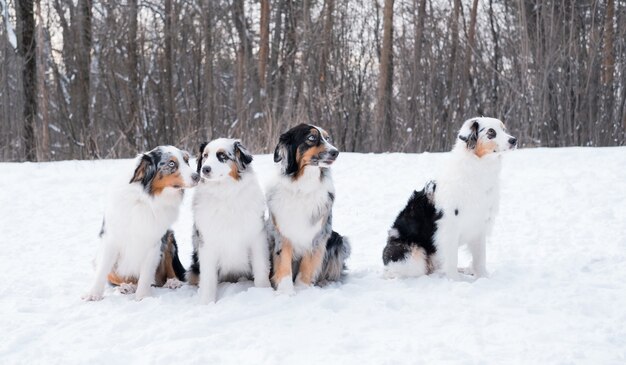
<point>205,155</point>
<point>172,164</point>
<point>329,139</point>
<point>221,156</point>
<point>312,138</point>
<point>491,133</point>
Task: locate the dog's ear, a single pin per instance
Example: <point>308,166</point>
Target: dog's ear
<point>242,156</point>
<point>279,152</point>
<point>199,158</point>
<point>470,137</point>
<point>145,171</point>
<point>285,153</point>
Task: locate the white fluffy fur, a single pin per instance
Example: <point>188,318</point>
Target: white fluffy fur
<point>229,214</point>
<point>470,184</point>
<point>134,225</point>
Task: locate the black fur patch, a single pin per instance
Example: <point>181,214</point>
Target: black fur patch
<point>456,212</point>
<point>415,226</point>
<point>199,158</point>
<point>242,157</point>
<point>195,263</point>
<point>101,229</point>
<point>179,269</point>
<point>472,138</point>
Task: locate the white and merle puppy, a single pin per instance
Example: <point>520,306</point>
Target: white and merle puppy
<point>137,250</point>
<point>457,209</point>
<point>300,202</point>
<point>229,237</point>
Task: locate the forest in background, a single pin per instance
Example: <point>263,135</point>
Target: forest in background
<point>84,79</point>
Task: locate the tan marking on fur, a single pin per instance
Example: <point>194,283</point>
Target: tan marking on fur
<point>311,264</point>
<point>419,255</point>
<point>282,262</point>
<point>234,173</point>
<point>115,279</point>
<point>305,158</point>
<point>484,148</point>
<point>167,181</point>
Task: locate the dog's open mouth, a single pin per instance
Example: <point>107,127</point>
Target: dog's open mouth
<point>326,162</point>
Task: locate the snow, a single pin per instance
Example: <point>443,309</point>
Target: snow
<point>556,293</point>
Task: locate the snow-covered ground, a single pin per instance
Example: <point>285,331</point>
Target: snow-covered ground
<point>556,294</point>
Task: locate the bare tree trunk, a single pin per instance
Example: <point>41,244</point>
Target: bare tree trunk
<point>420,17</point>
<point>135,122</point>
<point>44,146</point>
<point>208,68</point>
<point>384,115</point>
<point>169,119</point>
<point>264,42</point>
<point>83,77</point>
<point>247,73</point>
<point>495,62</point>
<point>27,49</point>
<point>329,6</point>
<point>450,80</point>
<point>608,57</point>
<point>468,58</point>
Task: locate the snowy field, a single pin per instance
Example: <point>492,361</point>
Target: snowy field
<point>556,294</point>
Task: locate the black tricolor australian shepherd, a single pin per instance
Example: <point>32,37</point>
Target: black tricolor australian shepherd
<point>300,200</point>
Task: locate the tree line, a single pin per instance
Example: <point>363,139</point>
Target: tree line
<point>83,79</point>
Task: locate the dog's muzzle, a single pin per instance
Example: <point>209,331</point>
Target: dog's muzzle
<point>328,157</point>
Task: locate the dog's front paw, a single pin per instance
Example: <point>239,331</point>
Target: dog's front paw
<point>127,288</point>
<point>142,294</point>
<point>263,282</point>
<point>300,284</point>
<point>285,286</point>
<point>92,297</point>
<point>482,273</point>
<point>173,283</point>
<point>207,298</point>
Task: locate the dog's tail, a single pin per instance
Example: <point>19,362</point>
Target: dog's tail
<point>337,252</point>
<point>179,269</point>
<point>168,242</point>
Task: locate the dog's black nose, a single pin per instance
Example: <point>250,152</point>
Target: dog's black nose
<point>206,170</point>
<point>333,153</point>
<point>513,141</point>
<point>195,177</point>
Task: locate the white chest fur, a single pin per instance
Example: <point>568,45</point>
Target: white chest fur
<point>300,208</point>
<point>229,216</point>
